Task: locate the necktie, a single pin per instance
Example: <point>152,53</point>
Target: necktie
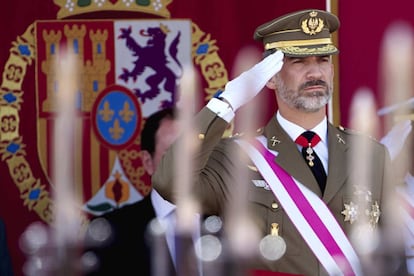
<point>187,263</point>
<point>308,140</point>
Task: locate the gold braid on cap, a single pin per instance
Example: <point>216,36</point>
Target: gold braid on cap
<point>324,50</point>
<point>297,43</point>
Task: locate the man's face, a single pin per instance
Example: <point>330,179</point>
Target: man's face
<point>306,83</point>
<point>167,133</point>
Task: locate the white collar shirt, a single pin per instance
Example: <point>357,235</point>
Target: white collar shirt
<point>165,213</point>
<point>321,129</point>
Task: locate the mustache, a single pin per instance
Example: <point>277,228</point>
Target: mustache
<point>313,83</point>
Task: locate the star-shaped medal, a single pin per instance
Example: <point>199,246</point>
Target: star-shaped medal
<point>350,212</point>
<point>374,214</point>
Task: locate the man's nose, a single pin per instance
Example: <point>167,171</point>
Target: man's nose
<point>314,71</point>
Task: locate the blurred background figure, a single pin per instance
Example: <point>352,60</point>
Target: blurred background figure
<point>399,142</point>
<point>5,260</point>
<point>117,243</point>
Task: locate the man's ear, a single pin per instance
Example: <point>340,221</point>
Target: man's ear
<point>271,84</point>
<point>146,159</point>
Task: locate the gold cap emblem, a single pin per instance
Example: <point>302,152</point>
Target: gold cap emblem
<point>313,24</point>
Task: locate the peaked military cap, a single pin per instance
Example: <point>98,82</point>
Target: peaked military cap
<point>300,34</point>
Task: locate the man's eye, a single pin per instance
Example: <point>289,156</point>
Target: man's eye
<point>325,59</point>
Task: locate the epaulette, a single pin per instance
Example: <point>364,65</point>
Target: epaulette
<point>237,135</point>
<point>233,136</point>
<point>347,130</point>
<point>355,132</point>
<point>257,132</point>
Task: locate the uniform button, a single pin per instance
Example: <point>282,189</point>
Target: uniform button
<point>275,205</point>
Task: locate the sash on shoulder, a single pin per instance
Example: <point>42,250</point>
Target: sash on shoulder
<point>308,212</point>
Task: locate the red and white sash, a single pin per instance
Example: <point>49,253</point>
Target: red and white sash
<point>308,212</point>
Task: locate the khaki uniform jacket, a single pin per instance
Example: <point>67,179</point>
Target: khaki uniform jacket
<point>215,168</point>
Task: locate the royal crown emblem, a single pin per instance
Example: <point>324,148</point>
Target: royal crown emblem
<point>313,24</point>
<point>69,8</point>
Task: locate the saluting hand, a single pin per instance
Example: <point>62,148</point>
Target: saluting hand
<point>245,87</point>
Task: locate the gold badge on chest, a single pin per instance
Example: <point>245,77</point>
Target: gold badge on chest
<point>273,246</point>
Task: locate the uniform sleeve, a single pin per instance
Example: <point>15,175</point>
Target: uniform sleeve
<point>212,164</point>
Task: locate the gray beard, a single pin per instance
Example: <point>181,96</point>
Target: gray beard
<point>306,102</point>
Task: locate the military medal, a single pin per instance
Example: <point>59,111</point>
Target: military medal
<point>310,156</point>
<point>273,246</point>
<point>352,211</point>
<point>374,214</point>
<point>303,141</point>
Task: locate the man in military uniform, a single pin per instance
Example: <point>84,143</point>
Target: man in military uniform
<point>323,199</point>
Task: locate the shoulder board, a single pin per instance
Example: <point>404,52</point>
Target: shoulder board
<point>237,134</point>
<point>355,132</point>
<point>347,130</point>
<point>257,132</point>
